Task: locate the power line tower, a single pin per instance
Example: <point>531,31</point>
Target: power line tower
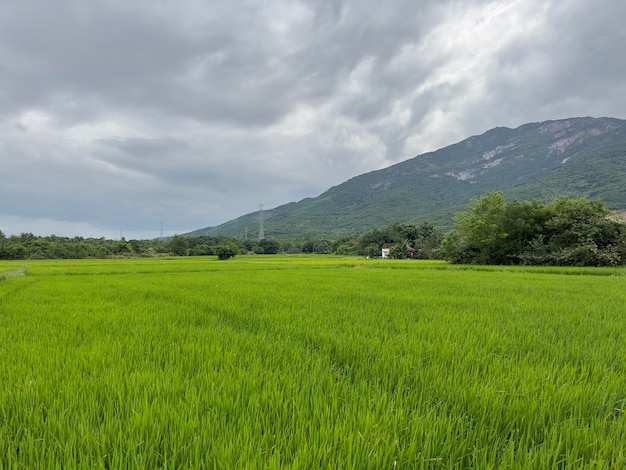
<point>261,231</point>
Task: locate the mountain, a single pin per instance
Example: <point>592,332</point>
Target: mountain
<point>574,157</point>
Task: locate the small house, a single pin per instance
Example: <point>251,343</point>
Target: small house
<point>386,249</point>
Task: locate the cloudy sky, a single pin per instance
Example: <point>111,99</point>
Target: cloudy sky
<point>118,116</point>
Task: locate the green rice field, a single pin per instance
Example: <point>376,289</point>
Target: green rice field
<point>310,362</point>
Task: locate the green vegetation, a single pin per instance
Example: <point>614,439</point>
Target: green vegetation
<point>425,238</point>
<point>310,362</point>
<point>578,157</point>
<point>27,246</point>
<point>179,245</point>
<point>226,251</point>
<point>566,232</point>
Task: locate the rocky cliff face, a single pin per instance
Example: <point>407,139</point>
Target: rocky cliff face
<point>566,133</point>
<point>537,147</point>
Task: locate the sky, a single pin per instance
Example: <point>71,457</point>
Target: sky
<point>136,118</point>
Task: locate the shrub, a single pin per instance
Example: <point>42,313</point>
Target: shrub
<point>226,251</point>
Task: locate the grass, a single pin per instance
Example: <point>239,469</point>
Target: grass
<point>310,362</point>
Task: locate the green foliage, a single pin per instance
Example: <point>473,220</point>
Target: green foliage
<point>424,238</point>
<point>345,249</point>
<point>226,251</point>
<point>120,248</point>
<point>179,245</point>
<point>482,230</point>
<point>3,246</point>
<point>399,251</point>
<point>201,249</point>
<point>372,251</point>
<point>568,232</point>
<point>29,246</point>
<point>268,246</point>
<point>310,362</point>
<point>319,246</point>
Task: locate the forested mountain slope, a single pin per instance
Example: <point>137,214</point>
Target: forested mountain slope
<point>574,157</point>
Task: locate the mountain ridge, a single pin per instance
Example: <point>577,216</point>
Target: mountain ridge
<point>578,157</point>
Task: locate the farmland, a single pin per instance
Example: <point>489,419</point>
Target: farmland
<point>310,362</point>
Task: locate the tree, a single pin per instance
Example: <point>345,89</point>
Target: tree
<point>522,222</point>
<point>372,251</point>
<point>478,233</point>
<point>226,251</point>
<point>308,246</point>
<point>202,249</point>
<point>374,239</point>
<point>179,245</point>
<point>346,249</point>
<point>122,248</point>
<point>3,239</point>
<point>427,241</point>
<point>324,247</point>
<point>576,232</point>
<point>399,251</point>
<point>268,246</point>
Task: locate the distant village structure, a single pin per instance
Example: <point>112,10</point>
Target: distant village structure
<point>386,249</point>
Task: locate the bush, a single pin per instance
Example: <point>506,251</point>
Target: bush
<point>226,251</point>
<point>565,232</point>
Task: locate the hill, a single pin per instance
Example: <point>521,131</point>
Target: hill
<point>575,157</point>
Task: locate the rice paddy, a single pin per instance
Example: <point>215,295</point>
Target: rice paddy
<point>310,362</point>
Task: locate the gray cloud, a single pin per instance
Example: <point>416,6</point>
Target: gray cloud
<point>119,115</point>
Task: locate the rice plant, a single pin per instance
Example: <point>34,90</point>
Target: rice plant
<point>310,362</point>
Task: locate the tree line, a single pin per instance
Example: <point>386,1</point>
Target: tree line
<point>27,246</point>
<point>564,232</point>
<point>576,232</point>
